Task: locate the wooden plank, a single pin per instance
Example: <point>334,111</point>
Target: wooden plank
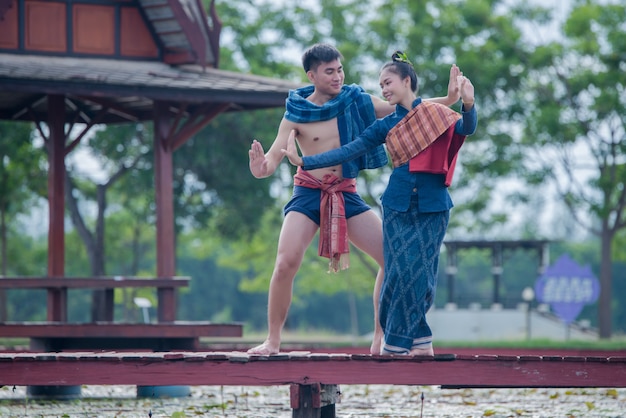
<point>176,329</point>
<point>207,369</point>
<point>91,282</point>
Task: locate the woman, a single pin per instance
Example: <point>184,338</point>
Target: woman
<point>422,139</point>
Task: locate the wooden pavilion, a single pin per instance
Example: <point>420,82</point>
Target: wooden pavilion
<point>74,64</point>
<point>497,248</point>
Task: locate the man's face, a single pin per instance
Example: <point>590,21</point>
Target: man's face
<point>328,77</point>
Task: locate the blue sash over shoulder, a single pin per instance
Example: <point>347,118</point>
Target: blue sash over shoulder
<point>354,111</point>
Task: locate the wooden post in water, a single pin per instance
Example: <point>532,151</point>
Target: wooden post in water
<point>314,400</point>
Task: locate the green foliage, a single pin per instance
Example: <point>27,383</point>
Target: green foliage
<point>219,190</point>
<point>22,182</point>
<point>22,167</point>
<point>22,179</point>
<point>254,258</point>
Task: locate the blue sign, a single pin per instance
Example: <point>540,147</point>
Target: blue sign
<point>567,287</point>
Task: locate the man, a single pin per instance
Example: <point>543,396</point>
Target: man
<point>323,117</point>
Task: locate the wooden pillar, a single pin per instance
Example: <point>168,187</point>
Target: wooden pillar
<point>163,176</point>
<point>57,299</point>
<point>496,270</point>
<point>544,258</point>
<point>314,400</point>
<point>451,269</point>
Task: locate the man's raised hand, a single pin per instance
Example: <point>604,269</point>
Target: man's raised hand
<point>258,162</point>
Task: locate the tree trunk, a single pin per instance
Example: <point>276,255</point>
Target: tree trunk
<point>606,282</point>
<point>98,298</point>
<point>93,242</point>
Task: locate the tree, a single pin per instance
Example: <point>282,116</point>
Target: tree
<point>119,150</point>
<point>435,34</point>
<point>576,124</point>
<point>218,190</point>
<point>22,180</point>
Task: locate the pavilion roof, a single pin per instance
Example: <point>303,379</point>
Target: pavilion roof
<point>128,88</point>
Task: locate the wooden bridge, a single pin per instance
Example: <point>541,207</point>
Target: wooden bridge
<point>313,377</point>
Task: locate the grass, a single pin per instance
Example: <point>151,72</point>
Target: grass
<point>612,344</point>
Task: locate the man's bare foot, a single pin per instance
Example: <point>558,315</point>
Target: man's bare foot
<point>377,342</point>
<point>265,349</point>
<point>422,352</point>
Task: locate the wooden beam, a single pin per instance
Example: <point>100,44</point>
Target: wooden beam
<point>90,282</point>
<point>196,122</point>
<point>236,368</point>
<point>111,107</point>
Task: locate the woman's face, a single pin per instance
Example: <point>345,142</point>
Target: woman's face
<point>394,89</point>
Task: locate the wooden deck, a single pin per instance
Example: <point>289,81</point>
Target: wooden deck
<point>62,336</point>
<point>304,368</point>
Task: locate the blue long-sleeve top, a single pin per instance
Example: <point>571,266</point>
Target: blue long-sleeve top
<point>426,189</point>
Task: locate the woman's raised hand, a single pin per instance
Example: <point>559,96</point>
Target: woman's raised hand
<point>467,91</point>
<point>453,84</point>
<point>292,150</point>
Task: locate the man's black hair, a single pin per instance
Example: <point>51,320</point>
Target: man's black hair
<point>317,54</point>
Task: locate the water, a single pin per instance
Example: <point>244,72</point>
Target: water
<point>362,401</point>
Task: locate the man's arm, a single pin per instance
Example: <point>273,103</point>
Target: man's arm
<point>264,164</point>
<point>382,107</point>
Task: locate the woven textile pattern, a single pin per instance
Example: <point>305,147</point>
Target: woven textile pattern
<point>417,130</point>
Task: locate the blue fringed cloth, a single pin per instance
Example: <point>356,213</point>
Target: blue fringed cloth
<point>354,111</point>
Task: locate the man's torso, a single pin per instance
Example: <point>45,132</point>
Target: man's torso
<point>317,137</point>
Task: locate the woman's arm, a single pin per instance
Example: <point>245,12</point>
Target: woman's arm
<point>467,124</point>
<point>373,136</point>
<point>454,93</point>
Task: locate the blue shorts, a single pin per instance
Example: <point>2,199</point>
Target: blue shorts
<point>307,201</point>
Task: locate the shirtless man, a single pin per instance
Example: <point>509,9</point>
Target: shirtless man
<point>323,116</point>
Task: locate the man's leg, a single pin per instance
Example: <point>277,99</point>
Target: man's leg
<point>296,234</point>
<point>366,232</point>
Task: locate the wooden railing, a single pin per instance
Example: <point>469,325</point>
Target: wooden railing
<point>57,288</point>
<point>59,335</point>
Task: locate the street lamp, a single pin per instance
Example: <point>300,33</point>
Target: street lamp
<point>144,304</point>
<point>528,294</point>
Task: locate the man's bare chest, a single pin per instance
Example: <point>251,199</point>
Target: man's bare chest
<point>315,137</point>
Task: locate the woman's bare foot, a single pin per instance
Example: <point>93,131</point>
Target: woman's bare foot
<point>422,352</point>
<point>265,349</point>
